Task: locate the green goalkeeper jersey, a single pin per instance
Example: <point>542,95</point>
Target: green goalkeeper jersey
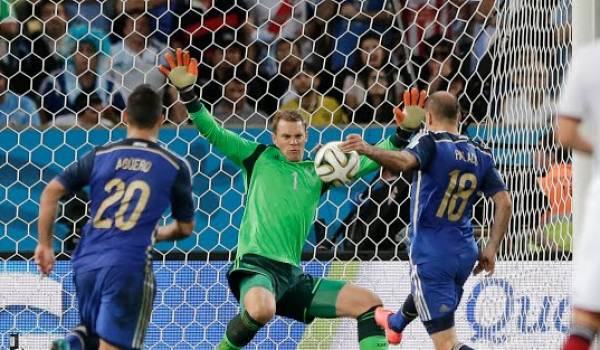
<point>281,196</point>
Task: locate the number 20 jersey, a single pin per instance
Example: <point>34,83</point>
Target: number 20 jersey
<point>131,183</point>
<point>452,173</point>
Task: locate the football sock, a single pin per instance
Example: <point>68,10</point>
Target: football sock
<point>240,331</point>
<point>399,320</point>
<point>370,336</point>
<point>575,342</point>
<point>580,338</point>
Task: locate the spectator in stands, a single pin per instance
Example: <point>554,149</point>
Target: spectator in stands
<point>225,64</point>
<point>41,49</point>
<point>234,110</point>
<point>9,30</point>
<point>440,68</point>
<point>350,21</point>
<point>90,13</point>
<point>211,22</point>
<point>481,27</point>
<point>276,90</point>
<point>15,110</point>
<point>457,88</point>
<point>275,19</point>
<point>527,102</point>
<point>319,110</point>
<point>474,29</point>
<point>60,91</point>
<point>272,21</point>
<point>164,10</point>
<point>378,104</point>
<point>89,112</point>
<point>369,84</point>
<point>135,57</point>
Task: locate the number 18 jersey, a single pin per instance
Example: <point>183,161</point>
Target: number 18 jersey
<point>131,183</point>
<point>453,171</point>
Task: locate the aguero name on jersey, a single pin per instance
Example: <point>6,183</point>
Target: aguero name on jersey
<point>131,183</point>
<point>453,172</point>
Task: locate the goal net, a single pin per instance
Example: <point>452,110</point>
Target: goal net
<point>67,67</point>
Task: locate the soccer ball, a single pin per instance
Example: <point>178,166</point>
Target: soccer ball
<point>334,166</point>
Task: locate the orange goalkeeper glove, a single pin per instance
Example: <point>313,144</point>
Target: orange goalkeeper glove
<point>413,114</point>
<point>410,119</point>
<point>182,73</point>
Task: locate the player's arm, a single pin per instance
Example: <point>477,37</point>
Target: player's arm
<point>568,135</point>
<point>44,252</point>
<point>175,231</point>
<point>182,208</point>
<point>574,107</point>
<point>394,160</point>
<point>502,214</point>
<point>71,179</point>
<point>182,74</point>
<point>367,164</point>
<point>386,152</point>
<point>417,155</point>
<point>493,186</point>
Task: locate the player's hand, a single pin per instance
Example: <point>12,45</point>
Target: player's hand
<point>487,261</point>
<point>413,114</point>
<point>44,258</point>
<point>355,143</point>
<point>183,70</point>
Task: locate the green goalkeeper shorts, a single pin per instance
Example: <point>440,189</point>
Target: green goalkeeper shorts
<point>293,289</point>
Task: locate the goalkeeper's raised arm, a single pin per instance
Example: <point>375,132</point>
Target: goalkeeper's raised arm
<point>408,121</point>
<point>183,73</point>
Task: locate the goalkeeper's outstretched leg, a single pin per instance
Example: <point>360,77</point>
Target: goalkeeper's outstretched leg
<point>358,303</point>
<point>266,288</point>
<point>258,306</point>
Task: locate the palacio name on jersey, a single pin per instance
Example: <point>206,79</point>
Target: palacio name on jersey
<point>134,164</point>
<point>466,156</point>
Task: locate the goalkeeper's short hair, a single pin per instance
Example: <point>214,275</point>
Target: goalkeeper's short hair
<point>291,116</point>
<point>144,107</point>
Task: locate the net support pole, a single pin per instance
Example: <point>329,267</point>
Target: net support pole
<point>586,28</point>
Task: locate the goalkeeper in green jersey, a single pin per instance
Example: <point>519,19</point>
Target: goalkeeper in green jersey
<point>283,193</point>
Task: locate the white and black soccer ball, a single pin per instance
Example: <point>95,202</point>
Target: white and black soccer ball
<point>334,166</point>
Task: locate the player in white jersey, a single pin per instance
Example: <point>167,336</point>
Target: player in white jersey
<point>579,102</point>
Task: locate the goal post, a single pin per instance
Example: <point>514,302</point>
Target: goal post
<point>499,57</point>
<point>586,28</point>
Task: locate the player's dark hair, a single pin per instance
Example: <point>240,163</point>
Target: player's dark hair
<point>144,107</point>
<point>290,116</point>
<point>443,105</point>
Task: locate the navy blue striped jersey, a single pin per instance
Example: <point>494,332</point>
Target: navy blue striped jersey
<point>453,171</point>
<point>131,184</point>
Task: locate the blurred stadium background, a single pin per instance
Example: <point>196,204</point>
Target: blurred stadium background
<point>66,68</point>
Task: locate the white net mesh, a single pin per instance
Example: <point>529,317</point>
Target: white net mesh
<point>67,68</point>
